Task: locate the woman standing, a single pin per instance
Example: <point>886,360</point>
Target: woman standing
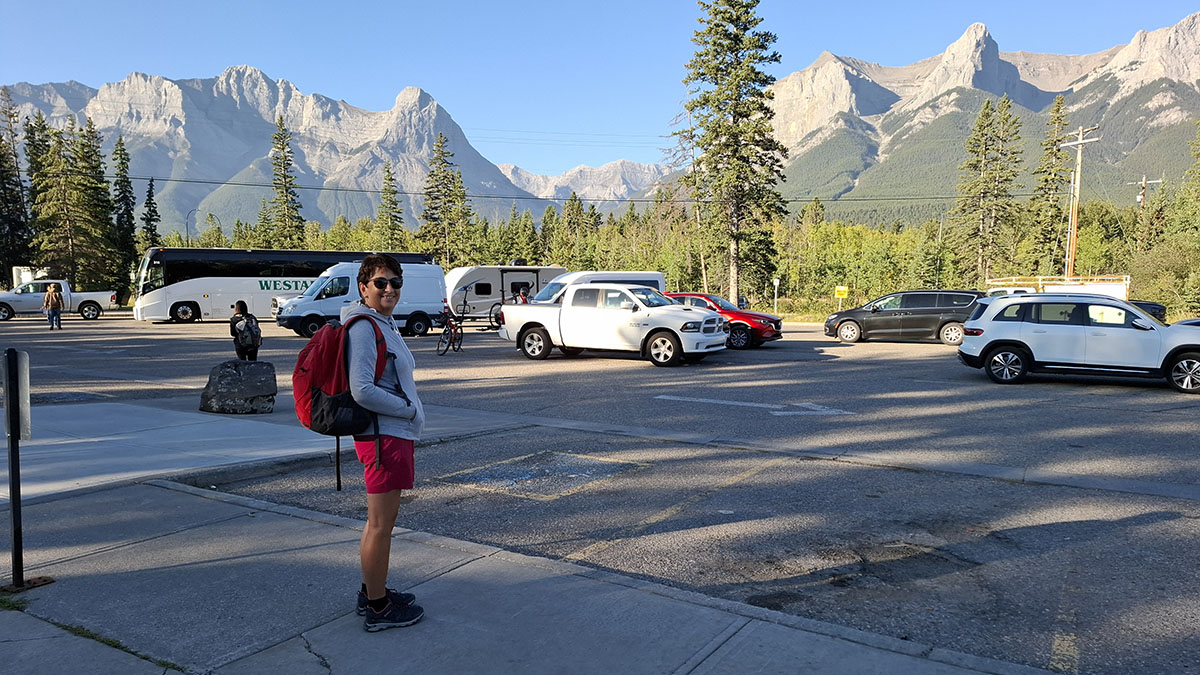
<point>247,336</point>
<point>401,418</point>
<point>53,304</point>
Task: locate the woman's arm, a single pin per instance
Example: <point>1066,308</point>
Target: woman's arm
<point>362,376</point>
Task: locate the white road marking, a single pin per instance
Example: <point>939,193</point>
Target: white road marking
<point>719,402</point>
<point>811,409</point>
<point>775,408</point>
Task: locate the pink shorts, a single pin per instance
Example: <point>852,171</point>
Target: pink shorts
<point>398,469</point>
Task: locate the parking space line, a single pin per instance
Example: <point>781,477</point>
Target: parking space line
<point>743,404</point>
<point>811,409</point>
<point>671,511</point>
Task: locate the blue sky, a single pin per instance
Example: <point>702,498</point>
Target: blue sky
<point>547,85</point>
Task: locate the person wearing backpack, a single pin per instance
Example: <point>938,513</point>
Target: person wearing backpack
<point>247,335</point>
<point>388,466</point>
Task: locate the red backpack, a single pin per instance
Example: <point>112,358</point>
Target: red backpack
<point>321,387</point>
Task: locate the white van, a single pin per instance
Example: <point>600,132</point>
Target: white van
<point>483,286</point>
<point>421,306</point>
<point>554,290</point>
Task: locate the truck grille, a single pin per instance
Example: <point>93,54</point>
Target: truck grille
<point>710,325</point>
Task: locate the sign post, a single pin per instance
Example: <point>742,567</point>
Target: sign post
<point>776,282</point>
<point>14,371</point>
<point>841,292</point>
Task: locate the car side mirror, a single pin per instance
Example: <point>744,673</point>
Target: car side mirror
<point>625,304</point>
<point>1141,325</point>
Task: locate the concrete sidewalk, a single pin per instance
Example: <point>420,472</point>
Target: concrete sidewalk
<point>206,582</point>
<point>209,582</point>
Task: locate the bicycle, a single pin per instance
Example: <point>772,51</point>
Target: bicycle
<point>519,298</point>
<point>451,337</point>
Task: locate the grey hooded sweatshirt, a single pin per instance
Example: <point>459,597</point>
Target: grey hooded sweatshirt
<point>397,416</point>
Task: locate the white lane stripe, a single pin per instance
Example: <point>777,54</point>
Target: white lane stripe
<point>719,402</point>
<point>811,409</point>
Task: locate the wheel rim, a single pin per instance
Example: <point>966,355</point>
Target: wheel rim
<point>1006,365</point>
<point>4,314</point>
<point>739,337</point>
<point>662,350</point>
<point>848,331</point>
<point>184,313</point>
<point>534,344</point>
<point>952,334</point>
<point>90,312</point>
<point>1186,374</point>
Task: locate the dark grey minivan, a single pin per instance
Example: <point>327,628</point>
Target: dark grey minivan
<point>907,315</point>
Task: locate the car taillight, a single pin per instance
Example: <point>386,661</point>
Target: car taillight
<point>500,317</point>
<point>973,332</point>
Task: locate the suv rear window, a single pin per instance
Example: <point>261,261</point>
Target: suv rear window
<point>979,310</point>
<point>1011,313</point>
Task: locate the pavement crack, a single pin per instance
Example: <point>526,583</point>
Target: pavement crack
<point>320,659</point>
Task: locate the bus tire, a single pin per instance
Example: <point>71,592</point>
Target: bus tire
<point>310,325</point>
<point>185,312</point>
<point>89,310</point>
<point>418,324</point>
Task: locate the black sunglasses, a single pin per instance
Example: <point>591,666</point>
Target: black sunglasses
<point>382,283</point>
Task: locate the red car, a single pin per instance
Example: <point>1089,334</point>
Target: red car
<point>746,328</point>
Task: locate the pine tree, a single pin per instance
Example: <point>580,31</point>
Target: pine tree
<point>1052,174</point>
<point>813,212</point>
<point>148,237</point>
<point>389,218</point>
<point>69,240</point>
<point>262,235</point>
<point>124,222</point>
<point>90,181</point>
<point>37,145</point>
<point>287,223</point>
<point>243,235</point>
<point>731,122</point>
<point>447,214</point>
<point>1184,214</point>
<point>985,203</point>
<point>16,233</point>
<point>212,236</point>
<point>338,236</point>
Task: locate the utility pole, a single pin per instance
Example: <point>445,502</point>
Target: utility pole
<point>1141,198</point>
<point>1076,179</point>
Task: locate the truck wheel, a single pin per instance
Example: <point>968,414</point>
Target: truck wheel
<point>6,312</point>
<point>185,312</point>
<point>418,324</point>
<point>535,343</point>
<point>664,349</point>
<point>89,310</point>
<point>310,325</point>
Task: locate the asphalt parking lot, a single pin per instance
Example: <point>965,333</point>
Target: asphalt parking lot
<point>881,486</point>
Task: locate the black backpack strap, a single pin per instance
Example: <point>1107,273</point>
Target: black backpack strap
<point>378,442</point>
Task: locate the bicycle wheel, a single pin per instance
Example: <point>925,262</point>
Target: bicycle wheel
<point>458,338</point>
<point>494,316</point>
<point>445,339</point>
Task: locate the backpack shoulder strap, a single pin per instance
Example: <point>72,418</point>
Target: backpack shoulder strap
<point>380,344</point>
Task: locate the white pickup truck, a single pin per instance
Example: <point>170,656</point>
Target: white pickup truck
<point>27,299</point>
<point>617,317</point>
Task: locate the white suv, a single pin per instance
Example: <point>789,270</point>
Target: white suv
<point>1013,335</point>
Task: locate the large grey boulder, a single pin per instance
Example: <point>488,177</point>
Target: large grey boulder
<point>240,387</point>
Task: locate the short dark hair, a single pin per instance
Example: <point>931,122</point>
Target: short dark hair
<point>240,307</point>
<point>376,261</point>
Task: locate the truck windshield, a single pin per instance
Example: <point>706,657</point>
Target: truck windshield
<point>650,297</point>
<point>547,294</point>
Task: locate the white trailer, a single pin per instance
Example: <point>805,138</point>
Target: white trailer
<point>478,292</point>
<point>1112,285</point>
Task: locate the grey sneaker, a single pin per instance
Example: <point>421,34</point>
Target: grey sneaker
<point>392,616</point>
<point>397,598</point>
